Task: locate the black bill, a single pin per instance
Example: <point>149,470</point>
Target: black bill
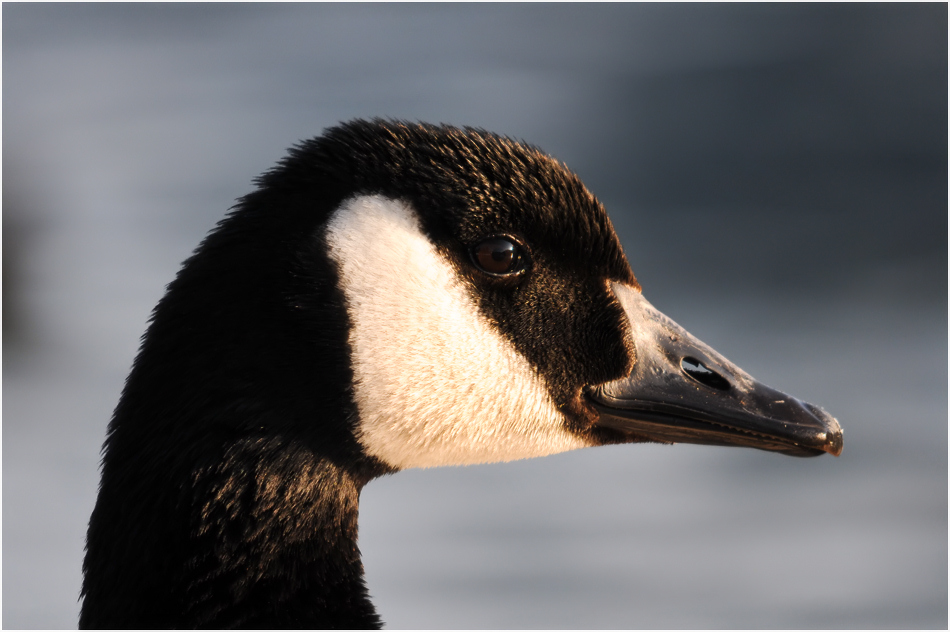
<point>682,391</point>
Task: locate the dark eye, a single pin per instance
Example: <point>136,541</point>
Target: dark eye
<point>500,256</point>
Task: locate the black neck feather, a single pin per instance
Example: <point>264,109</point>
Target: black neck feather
<point>263,538</point>
<point>231,476</point>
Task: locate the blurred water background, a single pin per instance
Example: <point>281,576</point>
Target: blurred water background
<point>778,176</point>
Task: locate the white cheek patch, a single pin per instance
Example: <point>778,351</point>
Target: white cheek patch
<point>435,384</point>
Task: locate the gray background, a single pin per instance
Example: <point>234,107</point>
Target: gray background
<point>778,175</point>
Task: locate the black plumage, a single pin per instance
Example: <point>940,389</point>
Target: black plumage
<point>231,474</point>
<point>234,460</point>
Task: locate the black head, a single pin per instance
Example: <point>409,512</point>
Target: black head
<point>392,295</point>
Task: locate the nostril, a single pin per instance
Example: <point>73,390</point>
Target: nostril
<point>703,374</point>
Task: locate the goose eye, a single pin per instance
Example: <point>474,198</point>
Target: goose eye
<point>499,256</point>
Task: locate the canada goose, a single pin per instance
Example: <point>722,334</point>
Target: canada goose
<point>392,295</point>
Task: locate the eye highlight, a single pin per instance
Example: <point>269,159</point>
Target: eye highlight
<point>500,255</point>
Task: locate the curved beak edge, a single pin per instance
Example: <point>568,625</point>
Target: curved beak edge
<point>682,391</point>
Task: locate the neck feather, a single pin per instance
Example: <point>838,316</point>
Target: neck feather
<point>231,474</point>
<point>264,537</point>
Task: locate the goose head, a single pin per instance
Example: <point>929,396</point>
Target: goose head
<point>494,316</point>
<point>391,296</point>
